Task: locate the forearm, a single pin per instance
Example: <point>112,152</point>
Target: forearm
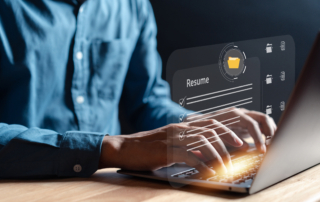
<point>111,146</point>
<point>159,112</point>
<point>33,152</point>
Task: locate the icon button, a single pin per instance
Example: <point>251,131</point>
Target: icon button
<point>283,45</point>
<point>269,109</point>
<point>282,106</point>
<point>283,76</point>
<point>269,79</point>
<point>269,48</point>
<point>234,62</point>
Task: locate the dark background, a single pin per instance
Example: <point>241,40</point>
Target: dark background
<point>192,23</point>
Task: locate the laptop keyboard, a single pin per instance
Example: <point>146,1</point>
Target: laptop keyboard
<point>245,169</point>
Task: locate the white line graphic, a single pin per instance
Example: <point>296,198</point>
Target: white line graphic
<point>208,142</point>
<point>202,145</point>
<point>210,116</point>
<point>220,113</point>
<point>189,103</point>
<point>214,128</point>
<point>208,138</point>
<point>213,124</point>
<point>190,98</point>
<point>219,106</point>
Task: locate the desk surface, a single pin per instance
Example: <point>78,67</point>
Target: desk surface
<point>107,185</point>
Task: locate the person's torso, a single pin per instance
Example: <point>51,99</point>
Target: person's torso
<point>63,67</point>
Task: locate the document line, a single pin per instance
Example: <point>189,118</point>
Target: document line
<point>190,98</point>
<point>219,106</point>
<point>213,115</point>
<point>209,138</point>
<point>202,145</point>
<point>220,113</point>
<point>188,103</point>
<point>213,128</point>
<point>213,124</point>
<point>206,143</point>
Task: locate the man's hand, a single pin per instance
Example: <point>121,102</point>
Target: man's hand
<point>193,143</point>
<point>251,122</point>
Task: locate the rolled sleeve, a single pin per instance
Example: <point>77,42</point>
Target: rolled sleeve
<point>40,153</point>
<point>80,153</point>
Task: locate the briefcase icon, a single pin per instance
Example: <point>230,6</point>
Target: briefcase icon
<point>233,63</point>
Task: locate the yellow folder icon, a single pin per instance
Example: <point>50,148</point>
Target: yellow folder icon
<point>233,63</point>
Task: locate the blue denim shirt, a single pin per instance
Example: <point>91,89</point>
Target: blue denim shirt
<point>63,69</point>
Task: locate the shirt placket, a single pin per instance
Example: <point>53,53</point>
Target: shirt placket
<point>79,94</point>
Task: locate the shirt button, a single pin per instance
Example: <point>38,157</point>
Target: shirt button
<point>80,99</point>
<point>81,9</point>
<point>77,168</point>
<point>79,55</point>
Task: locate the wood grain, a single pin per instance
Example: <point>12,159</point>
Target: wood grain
<point>107,185</point>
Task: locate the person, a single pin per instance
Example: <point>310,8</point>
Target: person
<point>64,66</point>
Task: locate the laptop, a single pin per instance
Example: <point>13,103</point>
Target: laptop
<point>293,149</point>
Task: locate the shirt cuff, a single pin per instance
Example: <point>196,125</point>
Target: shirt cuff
<point>79,154</point>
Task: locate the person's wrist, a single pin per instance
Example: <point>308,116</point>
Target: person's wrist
<point>109,151</point>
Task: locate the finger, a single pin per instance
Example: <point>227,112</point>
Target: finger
<point>252,126</point>
<point>177,155</point>
<point>266,123</point>
<point>217,159</point>
<point>217,143</point>
<point>246,122</point>
<point>199,155</point>
<point>254,130</point>
<point>244,147</point>
<point>200,123</point>
<point>225,133</point>
<point>240,132</point>
<point>273,124</point>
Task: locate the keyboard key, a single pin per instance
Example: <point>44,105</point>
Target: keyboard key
<point>249,181</point>
<point>246,167</point>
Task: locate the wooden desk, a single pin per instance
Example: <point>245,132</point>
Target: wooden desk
<point>107,185</point>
